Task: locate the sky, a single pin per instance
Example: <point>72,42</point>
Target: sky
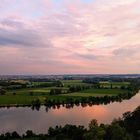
<point>69,37</point>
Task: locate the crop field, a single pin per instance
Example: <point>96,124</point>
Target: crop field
<point>97,92</point>
<point>26,95</point>
<point>73,82</point>
<point>114,84</point>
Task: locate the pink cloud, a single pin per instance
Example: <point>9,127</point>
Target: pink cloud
<point>79,38</point>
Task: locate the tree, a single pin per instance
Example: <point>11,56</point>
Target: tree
<point>111,86</point>
<point>115,132</point>
<point>59,83</point>
<point>14,93</point>
<point>31,93</point>
<point>2,92</point>
<point>15,135</point>
<point>93,124</point>
<point>55,91</point>
<point>36,103</point>
<point>29,133</point>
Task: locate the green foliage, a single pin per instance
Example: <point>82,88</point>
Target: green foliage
<point>76,90</point>
<point>36,103</point>
<point>59,83</point>
<point>55,91</point>
<point>2,92</point>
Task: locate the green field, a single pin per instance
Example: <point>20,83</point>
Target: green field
<point>24,97</point>
<point>97,92</point>
<point>73,82</point>
<point>36,138</point>
<point>114,84</point>
<point>103,83</point>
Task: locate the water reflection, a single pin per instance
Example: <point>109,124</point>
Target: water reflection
<point>20,119</point>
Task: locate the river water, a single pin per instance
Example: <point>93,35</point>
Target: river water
<point>24,118</point>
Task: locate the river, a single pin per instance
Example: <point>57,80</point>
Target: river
<point>22,119</point>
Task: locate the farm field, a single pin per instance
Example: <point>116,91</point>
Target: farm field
<point>73,83</point>
<point>97,92</point>
<point>114,84</point>
<point>25,96</point>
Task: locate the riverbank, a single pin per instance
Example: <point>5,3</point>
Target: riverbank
<point>68,92</point>
<point>97,96</point>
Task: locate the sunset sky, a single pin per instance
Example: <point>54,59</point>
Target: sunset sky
<point>69,36</point>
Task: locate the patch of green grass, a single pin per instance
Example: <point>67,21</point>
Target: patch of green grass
<point>103,91</point>
<point>24,96</point>
<point>97,92</point>
<point>73,83</point>
<point>114,84</point>
<point>35,138</point>
<point>39,83</point>
<point>18,99</point>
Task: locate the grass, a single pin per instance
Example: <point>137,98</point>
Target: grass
<point>39,83</point>
<point>23,96</point>
<point>114,84</point>
<point>97,92</point>
<point>34,138</point>
<point>73,82</point>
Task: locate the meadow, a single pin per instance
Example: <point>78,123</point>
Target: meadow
<point>25,96</point>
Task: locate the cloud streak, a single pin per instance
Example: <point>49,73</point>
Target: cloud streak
<point>47,37</point>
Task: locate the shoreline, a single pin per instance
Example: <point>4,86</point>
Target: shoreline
<point>71,104</point>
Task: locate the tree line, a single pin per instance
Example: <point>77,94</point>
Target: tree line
<point>70,102</point>
<point>91,100</point>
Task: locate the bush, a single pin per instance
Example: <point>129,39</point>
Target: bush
<point>2,92</point>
